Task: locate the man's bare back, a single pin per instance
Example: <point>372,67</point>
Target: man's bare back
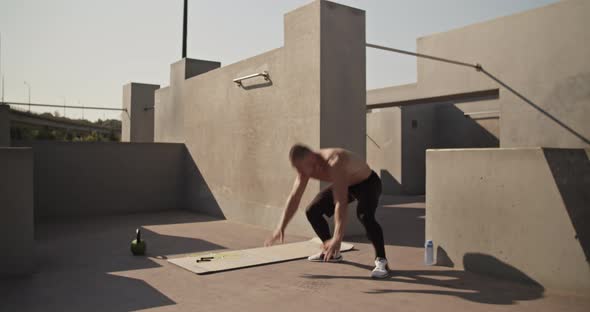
<point>355,170</point>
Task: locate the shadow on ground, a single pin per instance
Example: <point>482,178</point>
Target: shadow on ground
<point>84,291</point>
<point>77,264</point>
<point>462,284</point>
<point>402,226</point>
<point>388,200</point>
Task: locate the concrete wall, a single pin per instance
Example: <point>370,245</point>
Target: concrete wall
<point>170,107</point>
<point>76,179</point>
<point>342,78</point>
<point>239,137</point>
<point>384,150</point>
<point>547,64</point>
<point>417,126</point>
<point>164,118</point>
<point>514,213</point>
<point>463,125</point>
<point>137,123</point>
<point>16,211</point>
<point>399,137</point>
<point>524,50</point>
<point>4,125</point>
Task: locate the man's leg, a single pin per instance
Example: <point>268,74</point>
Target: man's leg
<point>367,194</point>
<point>366,214</point>
<point>322,204</point>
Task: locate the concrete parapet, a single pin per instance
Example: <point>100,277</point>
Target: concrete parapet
<point>16,211</point>
<point>514,213</point>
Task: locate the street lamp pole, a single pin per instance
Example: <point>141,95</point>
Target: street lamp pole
<point>82,109</point>
<point>63,97</point>
<point>29,88</point>
<point>184,26</point>
<point>1,73</point>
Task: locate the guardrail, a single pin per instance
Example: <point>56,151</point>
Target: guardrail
<point>264,74</point>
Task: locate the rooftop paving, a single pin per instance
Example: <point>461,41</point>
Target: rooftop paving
<point>86,265</point>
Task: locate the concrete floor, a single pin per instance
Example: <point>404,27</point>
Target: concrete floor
<point>85,265</point>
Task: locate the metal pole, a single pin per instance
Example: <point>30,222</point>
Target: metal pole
<point>184,26</point>
<point>29,88</point>
<point>1,74</point>
<point>480,69</point>
<point>422,55</point>
<point>535,106</point>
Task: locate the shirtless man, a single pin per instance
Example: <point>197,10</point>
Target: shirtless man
<point>351,179</point>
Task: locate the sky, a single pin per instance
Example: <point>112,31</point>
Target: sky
<point>82,52</point>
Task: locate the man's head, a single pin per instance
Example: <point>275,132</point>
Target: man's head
<point>303,159</point>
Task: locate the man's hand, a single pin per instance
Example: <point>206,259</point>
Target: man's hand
<point>278,234</point>
<point>331,247</point>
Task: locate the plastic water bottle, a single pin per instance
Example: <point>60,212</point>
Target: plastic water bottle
<point>428,253</point>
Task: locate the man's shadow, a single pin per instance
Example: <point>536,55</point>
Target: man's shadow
<point>462,284</point>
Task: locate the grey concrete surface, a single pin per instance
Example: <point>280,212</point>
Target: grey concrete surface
<point>227,128</point>
<point>163,116</point>
<point>171,106</point>
<point>393,94</point>
<point>4,126</point>
<point>342,78</point>
<point>546,64</point>
<point>465,125</point>
<point>137,123</point>
<point>81,179</point>
<point>384,150</point>
<point>524,207</point>
<point>196,193</point>
<point>418,132</point>
<point>227,136</point>
<point>106,277</point>
<point>528,53</point>
<point>16,211</point>
<point>397,138</point>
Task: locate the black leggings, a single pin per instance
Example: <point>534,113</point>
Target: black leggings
<point>367,194</point>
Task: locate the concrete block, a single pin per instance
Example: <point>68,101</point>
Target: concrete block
<point>513,213</point>
<point>343,77</point>
<point>398,137</point>
<point>104,178</point>
<point>4,125</point>
<point>169,111</point>
<point>239,137</point>
<point>384,153</point>
<point>527,52</point>
<point>16,211</point>
<point>138,121</point>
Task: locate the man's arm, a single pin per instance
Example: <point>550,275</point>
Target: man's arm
<point>293,200</point>
<point>340,194</point>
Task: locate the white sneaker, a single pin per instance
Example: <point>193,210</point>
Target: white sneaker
<point>319,257</point>
<point>381,270</point>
